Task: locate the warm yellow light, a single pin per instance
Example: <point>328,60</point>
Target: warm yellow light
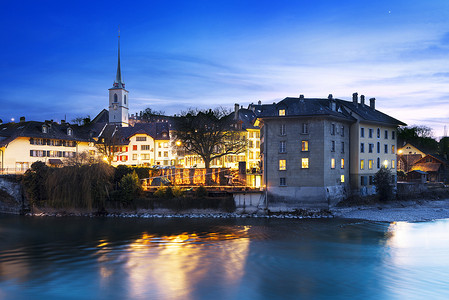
<point>105,158</point>
<point>400,151</point>
<point>178,143</point>
<point>386,163</point>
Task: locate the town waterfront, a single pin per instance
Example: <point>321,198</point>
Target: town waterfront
<point>163,258</point>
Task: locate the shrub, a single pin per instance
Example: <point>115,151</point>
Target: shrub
<point>34,182</point>
<point>382,181</point>
<point>130,187</point>
<point>201,192</point>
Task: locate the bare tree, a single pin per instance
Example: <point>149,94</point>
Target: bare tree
<point>109,144</point>
<point>80,159</point>
<point>210,134</point>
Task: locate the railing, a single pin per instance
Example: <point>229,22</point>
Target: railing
<point>11,171</point>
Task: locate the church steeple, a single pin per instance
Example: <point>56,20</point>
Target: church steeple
<point>118,83</point>
<point>118,97</point>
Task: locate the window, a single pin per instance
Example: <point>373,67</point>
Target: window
<point>362,180</point>
<point>282,165</point>
<point>44,129</point>
<point>393,135</point>
<point>257,134</point>
<point>304,145</point>
<point>342,147</point>
<point>342,178</point>
<point>378,147</point>
<point>282,129</point>
<point>159,154</point>
<point>370,164</point>
<point>370,148</point>
<point>386,134</point>
<point>144,147</point>
<point>134,147</point>
<point>332,163</point>
<point>141,138</point>
<point>370,133</point>
<point>392,149</point>
<point>281,112</point>
<point>304,163</point>
<point>282,147</point>
<point>69,131</point>
<point>362,132</point>
<point>386,149</point>
<point>333,146</point>
<point>342,163</point>
<point>134,156</point>
<point>378,133</point>
<point>165,145</point>
<point>378,163</point>
<point>251,155</point>
<point>257,144</point>
<point>250,144</point>
<point>342,131</point>
<point>124,99</point>
<point>362,147</point>
<point>305,128</point>
<point>115,98</point>
<point>282,181</point>
<point>362,164</point>
<point>371,181</point>
<point>393,164</point>
<point>165,153</point>
<point>333,129</point>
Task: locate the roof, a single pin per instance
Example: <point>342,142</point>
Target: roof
<point>418,171</point>
<point>325,107</point>
<point>437,157</point>
<point>427,167</point>
<point>157,130</point>
<point>247,116</point>
<point>33,129</point>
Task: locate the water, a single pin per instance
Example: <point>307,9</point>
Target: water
<point>82,258</point>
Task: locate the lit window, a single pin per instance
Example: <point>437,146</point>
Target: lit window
<point>362,164</point>
<point>305,146</point>
<point>393,164</point>
<point>392,149</point>
<point>332,163</point>
<point>370,164</point>
<point>282,164</point>
<point>342,163</point>
<point>134,156</point>
<point>305,163</point>
<point>69,131</point>
<point>342,178</point>
<point>251,155</point>
<point>282,112</point>
<point>386,163</point>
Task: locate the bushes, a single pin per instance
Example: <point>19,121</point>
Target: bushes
<point>382,181</point>
<point>130,187</point>
<point>34,182</point>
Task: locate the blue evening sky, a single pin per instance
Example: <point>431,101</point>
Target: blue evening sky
<point>58,58</point>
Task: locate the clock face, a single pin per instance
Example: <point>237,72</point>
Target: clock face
<point>114,106</point>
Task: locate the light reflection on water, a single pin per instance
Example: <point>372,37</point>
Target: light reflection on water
<point>71,258</point>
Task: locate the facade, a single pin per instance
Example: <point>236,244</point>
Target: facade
<point>436,167</point>
<point>24,143</point>
<point>315,151</point>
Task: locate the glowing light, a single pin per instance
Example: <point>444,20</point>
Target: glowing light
<point>386,163</point>
<point>400,151</point>
<point>105,158</point>
<point>178,143</point>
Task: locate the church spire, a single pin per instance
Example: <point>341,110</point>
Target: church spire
<point>118,83</point>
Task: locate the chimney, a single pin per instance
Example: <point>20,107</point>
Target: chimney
<point>330,97</point>
<point>362,99</point>
<point>301,97</point>
<point>372,103</point>
<point>259,102</point>
<point>62,122</point>
<point>22,119</point>
<point>236,111</point>
<point>355,98</point>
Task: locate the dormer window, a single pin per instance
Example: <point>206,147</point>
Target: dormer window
<point>281,112</point>
<point>69,131</point>
<point>164,134</point>
<point>44,129</point>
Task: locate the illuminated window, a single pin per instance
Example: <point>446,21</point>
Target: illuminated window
<point>282,112</point>
<point>393,164</point>
<point>332,163</point>
<point>134,156</point>
<point>342,178</point>
<point>370,164</point>
<point>305,146</point>
<point>305,163</point>
<point>392,149</point>
<point>362,164</point>
<point>134,147</point>
<point>282,164</point>
<point>251,155</point>
<point>342,163</point>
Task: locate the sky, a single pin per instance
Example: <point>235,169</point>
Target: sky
<point>58,58</point>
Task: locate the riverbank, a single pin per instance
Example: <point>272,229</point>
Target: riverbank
<point>395,211</point>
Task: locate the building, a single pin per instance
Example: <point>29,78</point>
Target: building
<point>436,167</point>
<point>316,151</point>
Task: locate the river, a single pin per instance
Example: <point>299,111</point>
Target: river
<point>118,258</point>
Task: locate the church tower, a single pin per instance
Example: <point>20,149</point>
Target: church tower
<point>118,98</point>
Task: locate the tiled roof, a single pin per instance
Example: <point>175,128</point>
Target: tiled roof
<point>427,167</point>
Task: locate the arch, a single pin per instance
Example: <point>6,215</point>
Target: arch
<point>115,98</point>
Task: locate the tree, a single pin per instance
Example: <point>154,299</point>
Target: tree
<point>421,136</point>
<point>210,134</point>
<point>382,181</point>
<point>149,113</point>
<point>81,120</point>
<point>80,159</point>
<point>109,144</point>
<point>34,182</point>
<point>443,146</point>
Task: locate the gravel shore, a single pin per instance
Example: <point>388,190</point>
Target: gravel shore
<point>409,211</point>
